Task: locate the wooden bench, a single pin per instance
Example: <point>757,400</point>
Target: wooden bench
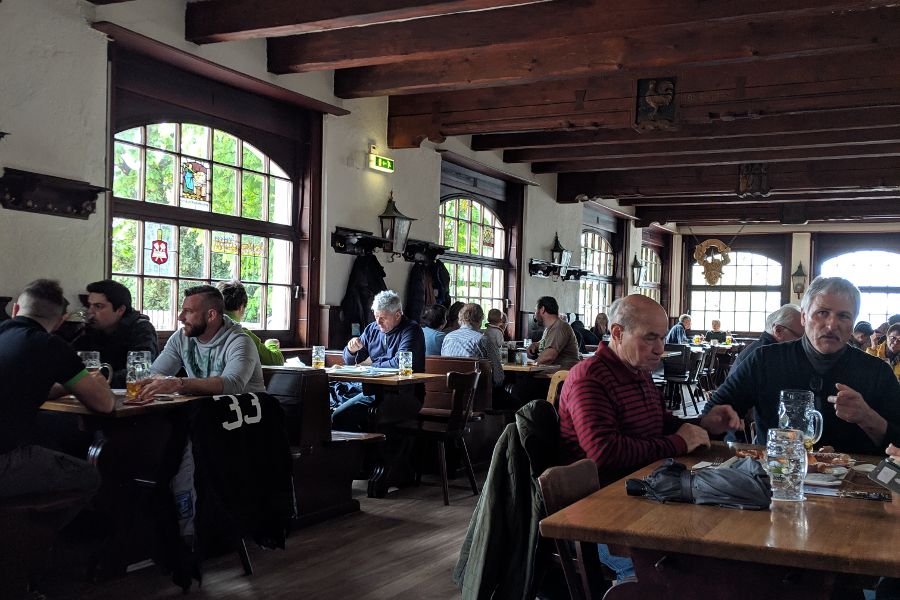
<point>325,462</point>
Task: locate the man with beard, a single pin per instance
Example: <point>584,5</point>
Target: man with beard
<point>857,394</point>
<point>558,345</point>
<point>114,328</point>
<point>218,357</point>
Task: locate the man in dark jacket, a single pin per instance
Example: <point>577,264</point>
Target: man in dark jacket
<point>857,394</point>
<point>783,325</point>
<point>114,328</point>
<point>381,341</point>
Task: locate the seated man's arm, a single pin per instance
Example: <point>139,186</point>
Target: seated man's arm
<point>599,433</point>
<point>356,350</point>
<point>92,391</point>
<point>737,392</point>
<point>554,340</point>
<point>879,417</point>
<point>169,360</point>
<point>548,356</point>
<point>489,351</point>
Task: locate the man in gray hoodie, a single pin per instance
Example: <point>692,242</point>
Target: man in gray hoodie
<point>217,356</point>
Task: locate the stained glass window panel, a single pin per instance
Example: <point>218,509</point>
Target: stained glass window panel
<point>160,250</point>
<point>195,184</point>
<point>253,258</point>
<point>225,247</point>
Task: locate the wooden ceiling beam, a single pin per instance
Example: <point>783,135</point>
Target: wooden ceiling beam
<point>558,58</point>
<point>826,121</point>
<point>828,153</point>
<point>703,95</point>
<point>857,174</point>
<point>428,39</point>
<point>230,20</point>
<point>768,212</point>
<point>784,197</point>
<point>782,141</point>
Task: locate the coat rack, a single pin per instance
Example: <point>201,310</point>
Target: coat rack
<point>422,252</point>
<point>355,241</point>
<point>39,193</point>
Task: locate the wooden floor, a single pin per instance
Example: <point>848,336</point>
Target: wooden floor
<point>403,546</point>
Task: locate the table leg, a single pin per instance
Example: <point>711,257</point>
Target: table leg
<point>667,575</point>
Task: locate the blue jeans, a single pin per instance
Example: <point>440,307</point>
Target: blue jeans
<point>352,414</point>
<point>620,565</point>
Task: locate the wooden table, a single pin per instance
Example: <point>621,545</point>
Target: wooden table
<point>395,400</point>
<point>69,404</point>
<point>531,368</point>
<point>795,550</point>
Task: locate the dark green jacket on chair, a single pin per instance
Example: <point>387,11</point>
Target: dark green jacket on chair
<point>497,559</point>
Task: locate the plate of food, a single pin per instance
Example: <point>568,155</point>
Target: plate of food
<point>828,462</point>
<point>822,479</point>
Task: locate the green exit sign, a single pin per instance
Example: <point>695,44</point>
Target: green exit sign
<point>381,163</point>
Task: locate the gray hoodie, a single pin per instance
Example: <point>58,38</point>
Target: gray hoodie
<point>230,355</point>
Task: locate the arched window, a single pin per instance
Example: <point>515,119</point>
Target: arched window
<point>877,274</point>
<point>651,283</point>
<point>750,288</point>
<point>195,205</point>
<point>595,289</point>
<point>477,257</point>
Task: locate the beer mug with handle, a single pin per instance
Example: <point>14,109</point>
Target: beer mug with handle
<point>137,370</point>
<point>796,410</point>
<point>91,360</point>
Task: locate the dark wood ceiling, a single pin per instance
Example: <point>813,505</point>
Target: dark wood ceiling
<point>661,104</point>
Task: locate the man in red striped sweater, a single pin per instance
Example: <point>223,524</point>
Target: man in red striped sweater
<point>611,412</point>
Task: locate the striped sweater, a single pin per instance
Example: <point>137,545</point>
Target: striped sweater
<point>615,417</point>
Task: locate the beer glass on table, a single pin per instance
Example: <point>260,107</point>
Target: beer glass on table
<point>405,359</point>
<point>91,360</point>
<point>137,370</point>
<point>786,464</point>
<point>796,410</point>
<point>318,357</point>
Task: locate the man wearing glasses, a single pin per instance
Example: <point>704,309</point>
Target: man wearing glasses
<point>783,325</point>
<point>857,394</point>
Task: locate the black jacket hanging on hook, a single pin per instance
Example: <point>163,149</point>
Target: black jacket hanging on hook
<point>427,284</point>
<point>366,280</point>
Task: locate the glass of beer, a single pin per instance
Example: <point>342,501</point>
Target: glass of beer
<point>728,340</point>
<point>318,357</point>
<point>137,370</point>
<point>405,359</point>
<point>697,339</point>
<point>91,360</point>
<point>796,410</point>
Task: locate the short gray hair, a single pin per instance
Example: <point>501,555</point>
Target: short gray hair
<point>387,301</point>
<point>623,313</point>
<point>472,314</point>
<point>831,285</point>
<point>782,316</point>
<point>684,318</point>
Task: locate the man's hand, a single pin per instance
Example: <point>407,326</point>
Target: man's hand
<point>693,436</point>
<point>354,345</point>
<point>159,385</point>
<point>532,350</point>
<point>893,450</point>
<point>720,419</point>
<point>849,405</point>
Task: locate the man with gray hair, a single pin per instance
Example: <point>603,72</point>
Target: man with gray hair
<point>469,341</point>
<point>857,394</point>
<point>783,325</point>
<point>381,342</point>
<point>678,333</point>
<point>35,365</point>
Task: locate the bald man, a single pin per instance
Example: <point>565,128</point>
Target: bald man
<point>610,411</point>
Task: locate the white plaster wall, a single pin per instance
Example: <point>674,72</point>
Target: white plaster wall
<point>53,104</point>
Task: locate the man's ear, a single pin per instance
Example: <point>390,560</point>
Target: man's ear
<point>16,309</point>
<point>120,311</point>
<point>616,331</point>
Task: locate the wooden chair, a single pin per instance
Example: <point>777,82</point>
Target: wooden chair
<point>556,384</point>
<point>462,386</point>
<point>677,373</point>
<point>560,487</point>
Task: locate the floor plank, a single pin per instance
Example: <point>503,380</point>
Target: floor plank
<point>403,546</point>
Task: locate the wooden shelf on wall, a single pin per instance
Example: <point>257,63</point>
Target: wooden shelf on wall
<point>45,194</point>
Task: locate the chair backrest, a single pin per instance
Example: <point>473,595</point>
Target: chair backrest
<point>678,365</point>
<point>462,388</point>
<point>438,395</point>
<point>556,384</point>
<point>560,487</point>
<point>303,395</point>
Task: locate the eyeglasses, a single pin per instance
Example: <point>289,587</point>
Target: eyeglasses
<point>796,335</point>
<point>893,339</point>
